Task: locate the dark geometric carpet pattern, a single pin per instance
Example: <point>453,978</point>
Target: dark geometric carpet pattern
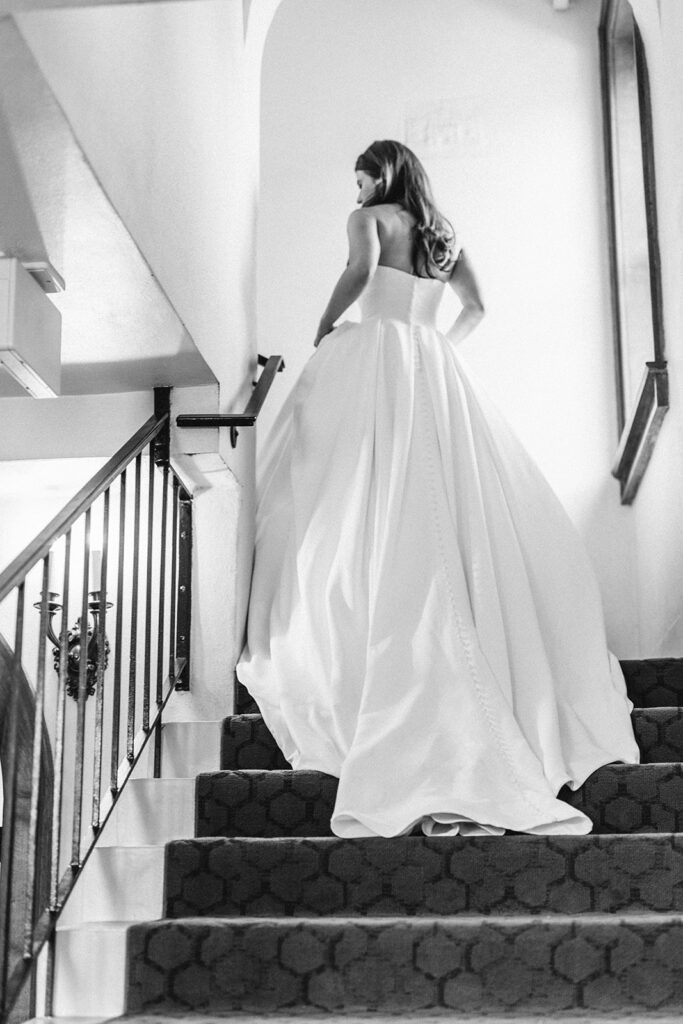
<point>248,743</point>
<point>413,875</point>
<point>542,965</point>
<point>618,798</point>
<point>268,913</point>
<point>654,682</point>
<point>264,803</point>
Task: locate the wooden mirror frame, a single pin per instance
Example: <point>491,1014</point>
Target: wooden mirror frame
<point>623,68</point>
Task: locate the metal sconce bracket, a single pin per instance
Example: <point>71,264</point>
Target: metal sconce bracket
<point>75,644</point>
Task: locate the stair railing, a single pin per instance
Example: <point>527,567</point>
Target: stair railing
<point>271,365</point>
<point>117,559</point>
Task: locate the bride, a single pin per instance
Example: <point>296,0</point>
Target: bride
<point>424,623</point>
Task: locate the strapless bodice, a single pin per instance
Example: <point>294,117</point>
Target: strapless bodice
<point>397,295</point>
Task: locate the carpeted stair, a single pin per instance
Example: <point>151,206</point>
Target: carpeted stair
<point>268,913</point>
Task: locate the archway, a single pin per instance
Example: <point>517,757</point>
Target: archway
<point>502,102</point>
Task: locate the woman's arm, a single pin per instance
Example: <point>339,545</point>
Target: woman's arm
<point>465,285</point>
<point>364,252</point>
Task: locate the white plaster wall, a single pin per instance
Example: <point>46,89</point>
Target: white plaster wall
<point>119,331</point>
<point>32,492</point>
<point>164,100</point>
<point>515,156</point>
<point>155,96</point>
<point>658,508</point>
<point>72,427</point>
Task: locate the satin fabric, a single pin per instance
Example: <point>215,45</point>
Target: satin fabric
<point>424,622</point>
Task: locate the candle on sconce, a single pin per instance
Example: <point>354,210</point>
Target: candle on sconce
<point>55,575</point>
<point>95,570</point>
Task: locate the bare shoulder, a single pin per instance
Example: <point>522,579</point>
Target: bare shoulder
<point>380,212</point>
<point>361,214</point>
<point>362,223</point>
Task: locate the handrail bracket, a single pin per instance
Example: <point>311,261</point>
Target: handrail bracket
<point>271,365</point>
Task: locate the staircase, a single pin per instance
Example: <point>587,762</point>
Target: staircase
<point>267,913</point>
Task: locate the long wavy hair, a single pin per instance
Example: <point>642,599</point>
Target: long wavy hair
<point>403,180</point>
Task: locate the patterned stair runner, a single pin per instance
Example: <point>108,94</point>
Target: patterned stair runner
<point>618,798</point>
<point>268,913</point>
<point>247,743</point>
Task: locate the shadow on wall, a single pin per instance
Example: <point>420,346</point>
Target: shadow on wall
<point>20,233</point>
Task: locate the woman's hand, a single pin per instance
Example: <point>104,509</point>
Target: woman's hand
<point>323,329</point>
<point>465,285</point>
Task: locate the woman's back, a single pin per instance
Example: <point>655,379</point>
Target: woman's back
<point>396,230</point>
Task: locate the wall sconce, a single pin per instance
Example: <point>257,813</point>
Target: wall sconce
<point>75,640</point>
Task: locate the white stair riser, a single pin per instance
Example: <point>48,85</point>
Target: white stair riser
<point>123,879</point>
<point>151,812</point>
<point>187,749</point>
<point>90,971</point>
<point>119,883</point>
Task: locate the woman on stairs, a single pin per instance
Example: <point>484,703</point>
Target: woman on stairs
<point>424,622</point>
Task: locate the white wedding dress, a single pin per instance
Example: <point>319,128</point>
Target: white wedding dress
<point>424,622</point>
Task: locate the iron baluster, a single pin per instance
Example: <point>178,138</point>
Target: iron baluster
<point>36,769</point>
<point>58,781</point>
<point>132,673</point>
<point>161,621</point>
<point>59,731</point>
<point>100,597</point>
<point>116,696</point>
<point>174,585</point>
<point>148,596</point>
<point>7,871</point>
<point>184,623</point>
<point>82,697</point>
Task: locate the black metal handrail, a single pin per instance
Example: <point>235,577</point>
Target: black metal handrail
<point>641,429</point>
<point>57,527</point>
<point>150,603</point>
<point>271,365</point>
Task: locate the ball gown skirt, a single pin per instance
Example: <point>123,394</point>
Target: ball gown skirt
<point>424,622</point>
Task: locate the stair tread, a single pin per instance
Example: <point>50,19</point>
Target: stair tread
<point>490,965</point>
<point>441,840</point>
<point>419,876</point>
<point>95,926</point>
<point>248,744</point>
<point>618,798</point>
<point>419,923</point>
<point>647,680</point>
<point>650,767</point>
<point>376,1018</point>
